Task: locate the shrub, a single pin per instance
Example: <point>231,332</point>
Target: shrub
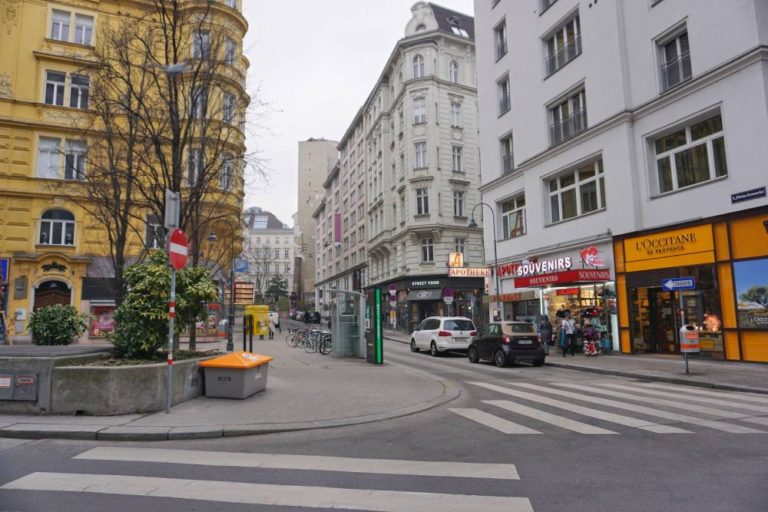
<point>56,325</point>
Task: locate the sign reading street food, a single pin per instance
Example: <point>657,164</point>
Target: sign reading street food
<point>469,272</point>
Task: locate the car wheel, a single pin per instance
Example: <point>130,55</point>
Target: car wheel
<point>414,348</point>
<point>499,358</point>
<point>433,350</point>
<point>472,355</point>
<point>538,362</point>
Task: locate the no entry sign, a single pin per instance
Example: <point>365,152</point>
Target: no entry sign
<point>177,249</point>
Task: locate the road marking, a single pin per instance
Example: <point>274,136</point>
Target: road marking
<point>305,462</point>
<point>552,419</point>
<point>717,425</point>
<point>494,422</point>
<point>626,421</point>
<point>275,495</point>
<point>717,413</point>
<point>682,396</point>
<point>731,395</point>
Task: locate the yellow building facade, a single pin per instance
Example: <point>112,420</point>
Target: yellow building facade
<point>52,248</point>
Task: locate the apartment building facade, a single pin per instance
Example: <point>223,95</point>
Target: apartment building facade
<point>57,139</point>
<point>407,178</point>
<point>269,248</point>
<point>617,155</point>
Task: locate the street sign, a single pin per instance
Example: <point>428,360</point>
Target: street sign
<point>241,265</point>
<point>678,283</point>
<point>177,249</point>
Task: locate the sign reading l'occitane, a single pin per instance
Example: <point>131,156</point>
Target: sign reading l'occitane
<point>688,246</point>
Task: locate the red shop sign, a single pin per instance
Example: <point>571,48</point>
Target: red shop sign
<point>567,291</point>
<point>568,276</point>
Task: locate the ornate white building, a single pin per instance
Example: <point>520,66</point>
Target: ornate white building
<point>269,247</point>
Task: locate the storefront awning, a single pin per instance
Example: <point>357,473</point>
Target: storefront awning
<point>428,294</point>
<point>564,278</point>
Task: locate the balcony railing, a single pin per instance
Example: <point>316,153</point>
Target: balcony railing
<point>507,163</point>
<point>503,104</point>
<point>570,50</point>
<point>501,49</point>
<point>568,127</point>
<point>676,71</point>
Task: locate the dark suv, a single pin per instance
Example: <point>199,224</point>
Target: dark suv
<point>311,317</point>
<point>507,342</point>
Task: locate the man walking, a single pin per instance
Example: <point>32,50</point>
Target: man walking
<point>567,329</point>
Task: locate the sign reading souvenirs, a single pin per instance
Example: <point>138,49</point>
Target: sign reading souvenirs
<point>456,259</point>
<point>531,268</point>
<point>469,272</point>
<point>569,276</point>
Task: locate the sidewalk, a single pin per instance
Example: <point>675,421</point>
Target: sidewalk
<point>732,376</point>
<point>304,391</point>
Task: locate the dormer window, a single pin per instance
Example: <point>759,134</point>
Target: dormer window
<point>421,27</point>
<point>456,27</point>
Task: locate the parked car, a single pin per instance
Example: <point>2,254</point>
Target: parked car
<point>443,333</point>
<point>274,317</point>
<point>507,342</point>
<point>311,317</point>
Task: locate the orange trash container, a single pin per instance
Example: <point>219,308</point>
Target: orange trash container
<point>236,375</point>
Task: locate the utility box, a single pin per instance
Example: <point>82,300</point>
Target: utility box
<point>18,386</point>
<point>235,375</point>
<point>689,339</point>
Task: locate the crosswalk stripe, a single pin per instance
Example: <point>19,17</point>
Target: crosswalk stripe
<point>262,494</point>
<point>717,413</point>
<point>545,417</point>
<point>682,396</point>
<point>304,462</point>
<point>494,422</point>
<point>626,421</point>
<point>731,395</point>
<point>672,416</point>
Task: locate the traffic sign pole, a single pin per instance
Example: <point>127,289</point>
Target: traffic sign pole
<point>171,317</point>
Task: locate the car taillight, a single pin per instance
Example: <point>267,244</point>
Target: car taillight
<point>505,340</point>
<point>473,333</point>
<point>445,333</point>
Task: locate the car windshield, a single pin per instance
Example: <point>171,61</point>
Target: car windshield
<point>518,329</point>
<point>459,325</point>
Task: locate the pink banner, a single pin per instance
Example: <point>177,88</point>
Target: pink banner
<point>337,227</point>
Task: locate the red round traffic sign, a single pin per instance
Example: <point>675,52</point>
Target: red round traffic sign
<point>177,249</point>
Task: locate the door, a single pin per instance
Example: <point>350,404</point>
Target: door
<point>51,293</point>
<point>488,341</point>
<point>662,321</point>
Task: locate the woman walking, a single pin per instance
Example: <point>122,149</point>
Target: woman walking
<point>545,332</point>
<point>567,328</point>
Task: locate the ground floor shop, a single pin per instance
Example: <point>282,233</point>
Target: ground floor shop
<point>712,275</point>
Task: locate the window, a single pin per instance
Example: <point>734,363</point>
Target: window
<point>418,66</point>
<point>199,103</point>
<point>455,114</point>
<point>691,155</point>
<point>201,44</point>
<point>577,192</point>
<point>228,108</point>
<point>225,174</point>
<point>458,244</point>
<point>422,201</point>
<point>502,88</point>
<point>507,160</point>
<point>286,255</point>
<point>427,251</point>
<point>546,4</point>
<point>74,160</point>
<point>195,166</point>
<point>48,158</point>
<point>453,72</point>
<point>569,117</point>
<point>83,29</point>
<point>421,154</point>
<point>229,51</point>
<point>456,27</point>
<point>154,233</point>
<point>456,157</point>
<point>78,91</point>
<point>60,25</point>
<point>57,227</point>
<point>419,110</point>
<point>513,217</point>
<point>500,38</point>
<point>675,61</point>
<point>458,203</point>
<point>232,3</point>
<point>54,88</point>
<point>563,45</point>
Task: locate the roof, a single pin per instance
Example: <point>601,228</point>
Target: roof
<point>256,218</point>
<point>449,20</point>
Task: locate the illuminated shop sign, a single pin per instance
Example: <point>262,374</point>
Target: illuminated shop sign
<point>469,272</point>
<point>568,276</point>
<point>531,268</point>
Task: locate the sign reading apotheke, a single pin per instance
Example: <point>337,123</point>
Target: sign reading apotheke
<point>693,240</point>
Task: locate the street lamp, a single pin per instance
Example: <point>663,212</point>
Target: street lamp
<point>473,224</point>
<point>212,238</point>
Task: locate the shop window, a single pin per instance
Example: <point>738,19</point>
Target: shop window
<point>57,227</point>
<point>577,192</point>
<point>691,155</point>
<point>513,217</point>
<point>751,278</point>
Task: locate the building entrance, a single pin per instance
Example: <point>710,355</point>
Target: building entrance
<point>51,293</point>
<point>655,322</point>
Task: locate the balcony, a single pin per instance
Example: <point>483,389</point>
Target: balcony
<point>676,71</point>
<point>563,130</point>
<point>564,55</point>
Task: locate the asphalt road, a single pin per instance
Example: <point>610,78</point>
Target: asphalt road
<point>517,439</point>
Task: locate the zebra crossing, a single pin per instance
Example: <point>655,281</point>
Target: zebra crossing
<point>311,497</point>
<point>618,406</point>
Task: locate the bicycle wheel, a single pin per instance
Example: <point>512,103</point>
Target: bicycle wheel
<point>325,346</point>
<point>310,346</point>
<point>291,340</point>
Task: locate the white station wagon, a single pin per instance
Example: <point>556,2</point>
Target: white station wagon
<point>443,333</point>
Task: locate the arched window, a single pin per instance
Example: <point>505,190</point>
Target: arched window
<point>418,66</point>
<point>453,72</point>
<point>57,227</point>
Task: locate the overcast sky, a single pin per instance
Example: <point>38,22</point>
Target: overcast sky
<point>313,62</point>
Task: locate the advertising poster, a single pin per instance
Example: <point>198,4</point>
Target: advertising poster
<point>752,293</point>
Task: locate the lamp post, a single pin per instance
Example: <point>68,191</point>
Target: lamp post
<point>473,224</point>
<point>212,238</point>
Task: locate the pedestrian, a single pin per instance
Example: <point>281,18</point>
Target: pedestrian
<point>545,332</point>
<point>272,328</point>
<point>567,328</point>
